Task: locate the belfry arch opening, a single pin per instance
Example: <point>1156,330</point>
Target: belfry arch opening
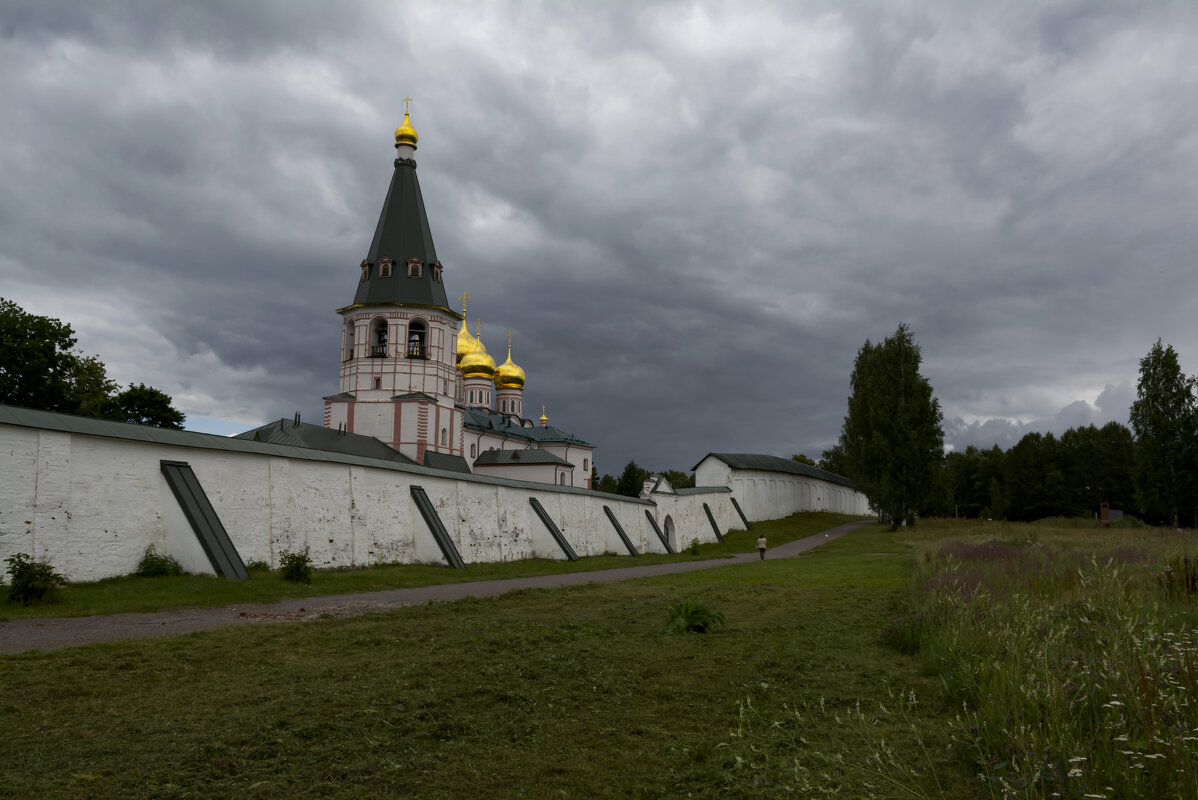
<point>378,338</point>
<point>348,341</point>
<point>417,339</point>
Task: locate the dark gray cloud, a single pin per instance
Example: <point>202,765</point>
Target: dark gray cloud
<point>690,215</point>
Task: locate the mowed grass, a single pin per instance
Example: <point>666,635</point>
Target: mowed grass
<point>573,692</point>
<point>133,594</point>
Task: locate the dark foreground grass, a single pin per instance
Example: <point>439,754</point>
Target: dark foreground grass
<point>573,692</point>
<point>133,594</point>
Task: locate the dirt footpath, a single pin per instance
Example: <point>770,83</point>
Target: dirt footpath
<point>19,636</point>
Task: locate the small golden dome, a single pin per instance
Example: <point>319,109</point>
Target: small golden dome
<point>508,375</point>
<point>467,343</point>
<point>477,364</point>
<point>544,419</point>
<point>406,134</point>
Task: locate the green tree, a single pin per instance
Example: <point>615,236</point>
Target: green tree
<point>1035,484</point>
<point>1097,464</point>
<point>144,405</point>
<point>39,368</point>
<point>679,479</point>
<point>1163,418</point>
<point>802,459</point>
<point>607,484</point>
<point>631,480</point>
<point>833,460</point>
<point>891,437</point>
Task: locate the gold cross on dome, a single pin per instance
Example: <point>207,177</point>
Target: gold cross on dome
<point>478,329</point>
<point>464,297</point>
<point>509,340</point>
<point>407,107</point>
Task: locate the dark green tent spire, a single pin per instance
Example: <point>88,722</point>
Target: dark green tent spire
<point>401,267</point>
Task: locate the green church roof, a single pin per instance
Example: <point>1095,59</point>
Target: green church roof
<point>402,234</point>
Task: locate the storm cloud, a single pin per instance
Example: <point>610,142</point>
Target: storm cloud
<point>690,216</point>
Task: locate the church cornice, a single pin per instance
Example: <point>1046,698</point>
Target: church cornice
<point>448,311</point>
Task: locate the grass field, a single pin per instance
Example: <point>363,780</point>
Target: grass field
<point>133,594</point>
<point>837,674</point>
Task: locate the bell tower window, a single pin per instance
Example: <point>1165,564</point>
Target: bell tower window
<point>385,268</point>
<point>365,271</point>
<point>348,341</point>
<point>417,339</point>
<point>378,338</point>
<point>414,267</point>
<point>437,271</point>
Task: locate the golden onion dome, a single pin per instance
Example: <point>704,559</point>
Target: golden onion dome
<point>477,364</point>
<point>467,343</point>
<point>508,375</point>
<point>544,419</point>
<point>406,134</point>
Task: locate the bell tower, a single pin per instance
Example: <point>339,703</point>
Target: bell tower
<point>398,378</point>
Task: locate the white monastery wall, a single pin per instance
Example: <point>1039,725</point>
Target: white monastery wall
<point>92,504</point>
<point>765,494</point>
<point>690,520</point>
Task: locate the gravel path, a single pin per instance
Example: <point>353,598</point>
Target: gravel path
<point>18,636</point>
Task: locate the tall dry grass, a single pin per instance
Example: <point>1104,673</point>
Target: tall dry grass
<point>1069,652</point>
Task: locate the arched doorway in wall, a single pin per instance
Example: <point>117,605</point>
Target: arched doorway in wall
<point>671,536</point>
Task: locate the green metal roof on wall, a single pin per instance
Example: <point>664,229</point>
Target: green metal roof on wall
<point>776,464</point>
<point>446,461</point>
<point>90,426</point>
<point>305,434</point>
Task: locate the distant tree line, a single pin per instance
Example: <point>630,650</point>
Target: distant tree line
<point>1041,476</point>
<point>41,369</point>
<point>892,435</point>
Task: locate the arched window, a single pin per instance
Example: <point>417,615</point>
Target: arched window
<point>417,339</point>
<point>473,449</point>
<point>378,338</point>
<point>348,340</point>
<point>586,464</point>
<point>562,479</point>
<point>444,437</point>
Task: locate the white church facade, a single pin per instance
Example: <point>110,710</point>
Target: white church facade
<point>414,377</point>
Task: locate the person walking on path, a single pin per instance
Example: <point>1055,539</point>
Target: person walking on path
<point>761,546</point>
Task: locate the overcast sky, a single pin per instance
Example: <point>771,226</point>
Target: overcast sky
<point>690,215</point>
